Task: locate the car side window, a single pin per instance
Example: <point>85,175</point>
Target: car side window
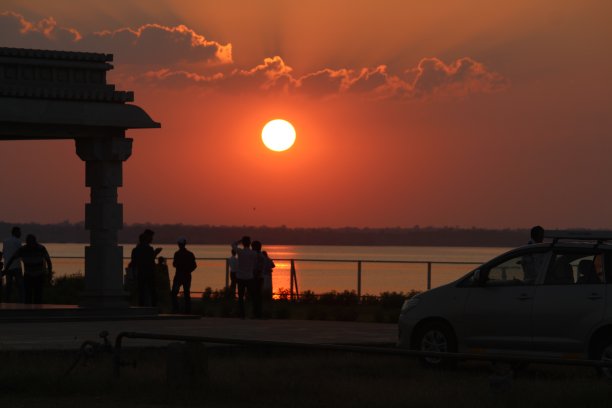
<point>567,268</point>
<point>510,273</point>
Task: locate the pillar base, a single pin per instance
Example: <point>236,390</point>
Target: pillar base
<point>101,300</point>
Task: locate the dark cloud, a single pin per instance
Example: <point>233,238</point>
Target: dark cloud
<point>155,45</point>
<point>178,56</point>
<point>431,78</point>
<point>463,76</point>
<point>324,82</point>
<point>27,34</point>
<point>151,46</point>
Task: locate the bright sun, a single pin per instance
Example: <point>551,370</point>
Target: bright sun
<point>278,135</point>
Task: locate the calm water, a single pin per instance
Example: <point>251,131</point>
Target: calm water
<point>318,276</point>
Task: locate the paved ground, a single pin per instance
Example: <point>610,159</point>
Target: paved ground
<point>70,334</point>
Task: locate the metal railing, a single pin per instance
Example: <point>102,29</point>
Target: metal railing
<point>505,358</point>
<point>358,263</point>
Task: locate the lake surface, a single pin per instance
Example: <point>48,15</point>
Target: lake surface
<point>314,267</point>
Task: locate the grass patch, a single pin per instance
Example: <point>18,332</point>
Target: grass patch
<point>334,306</point>
<point>272,378</point>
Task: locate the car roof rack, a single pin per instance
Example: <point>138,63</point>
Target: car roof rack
<point>599,237</point>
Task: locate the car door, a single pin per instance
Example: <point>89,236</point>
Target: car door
<point>497,313</point>
<point>570,302</point>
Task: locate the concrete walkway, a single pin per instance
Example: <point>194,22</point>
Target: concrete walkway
<point>69,335</point>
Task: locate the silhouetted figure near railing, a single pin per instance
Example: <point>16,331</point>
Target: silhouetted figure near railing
<point>162,285</point>
<point>14,274</point>
<point>532,263</point>
<point>185,263</point>
<point>232,263</point>
<point>537,235</point>
<point>267,276</point>
<point>143,260</point>
<point>258,280</point>
<point>37,268</point>
<point>245,278</point>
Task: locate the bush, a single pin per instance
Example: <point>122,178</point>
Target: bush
<point>65,289</point>
<point>308,297</point>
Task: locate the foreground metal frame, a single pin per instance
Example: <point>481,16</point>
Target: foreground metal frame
<point>348,348</point>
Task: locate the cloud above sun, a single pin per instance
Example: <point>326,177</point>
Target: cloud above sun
<point>175,56</point>
<point>150,45</point>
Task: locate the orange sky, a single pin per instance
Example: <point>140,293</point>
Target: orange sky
<point>441,113</point>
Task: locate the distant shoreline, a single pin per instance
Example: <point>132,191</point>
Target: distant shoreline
<point>66,232</point>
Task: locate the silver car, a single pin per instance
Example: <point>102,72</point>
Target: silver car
<point>546,300</point>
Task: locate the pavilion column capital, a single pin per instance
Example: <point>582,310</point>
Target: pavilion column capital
<point>104,148</point>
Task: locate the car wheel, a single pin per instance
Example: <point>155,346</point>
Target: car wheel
<point>436,337</point>
<point>604,353</point>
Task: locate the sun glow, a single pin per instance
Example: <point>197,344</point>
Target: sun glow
<point>278,135</point>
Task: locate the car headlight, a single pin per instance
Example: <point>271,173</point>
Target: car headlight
<point>410,304</point>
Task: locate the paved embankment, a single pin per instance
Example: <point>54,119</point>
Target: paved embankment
<point>71,334</point>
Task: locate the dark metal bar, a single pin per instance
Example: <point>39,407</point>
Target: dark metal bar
<point>292,273</point>
<point>352,348</point>
<point>322,260</point>
<point>227,273</point>
<point>359,280</point>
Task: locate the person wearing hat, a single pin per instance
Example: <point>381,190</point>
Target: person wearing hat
<point>185,263</point>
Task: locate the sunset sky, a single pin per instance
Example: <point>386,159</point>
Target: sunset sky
<point>432,113</point>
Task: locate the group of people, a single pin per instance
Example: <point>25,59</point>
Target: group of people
<point>152,280</point>
<point>24,286</point>
<point>250,272</point>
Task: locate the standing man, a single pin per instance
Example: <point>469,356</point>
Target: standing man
<point>143,259</point>
<point>14,275</point>
<point>37,267</point>
<point>247,259</point>
<point>185,263</point>
<point>232,264</point>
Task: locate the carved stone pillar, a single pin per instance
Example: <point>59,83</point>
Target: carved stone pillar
<point>104,157</point>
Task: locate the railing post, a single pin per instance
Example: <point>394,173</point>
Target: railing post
<point>428,275</point>
<point>291,277</point>
<point>227,273</point>
<point>359,281</point>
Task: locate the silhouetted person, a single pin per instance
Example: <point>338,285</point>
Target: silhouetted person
<point>14,275</point>
<point>258,279</point>
<point>185,263</point>
<point>232,263</point>
<point>532,263</point>
<point>162,284</point>
<point>37,267</point>
<point>537,235</point>
<point>143,260</point>
<point>246,265</point>
<point>267,276</point>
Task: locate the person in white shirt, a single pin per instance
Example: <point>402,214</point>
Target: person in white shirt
<point>14,274</point>
<point>247,259</point>
<point>232,263</point>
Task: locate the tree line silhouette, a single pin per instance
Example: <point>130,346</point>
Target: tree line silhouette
<point>67,232</point>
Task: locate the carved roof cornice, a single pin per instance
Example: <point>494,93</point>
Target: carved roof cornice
<point>55,55</point>
<point>63,75</point>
